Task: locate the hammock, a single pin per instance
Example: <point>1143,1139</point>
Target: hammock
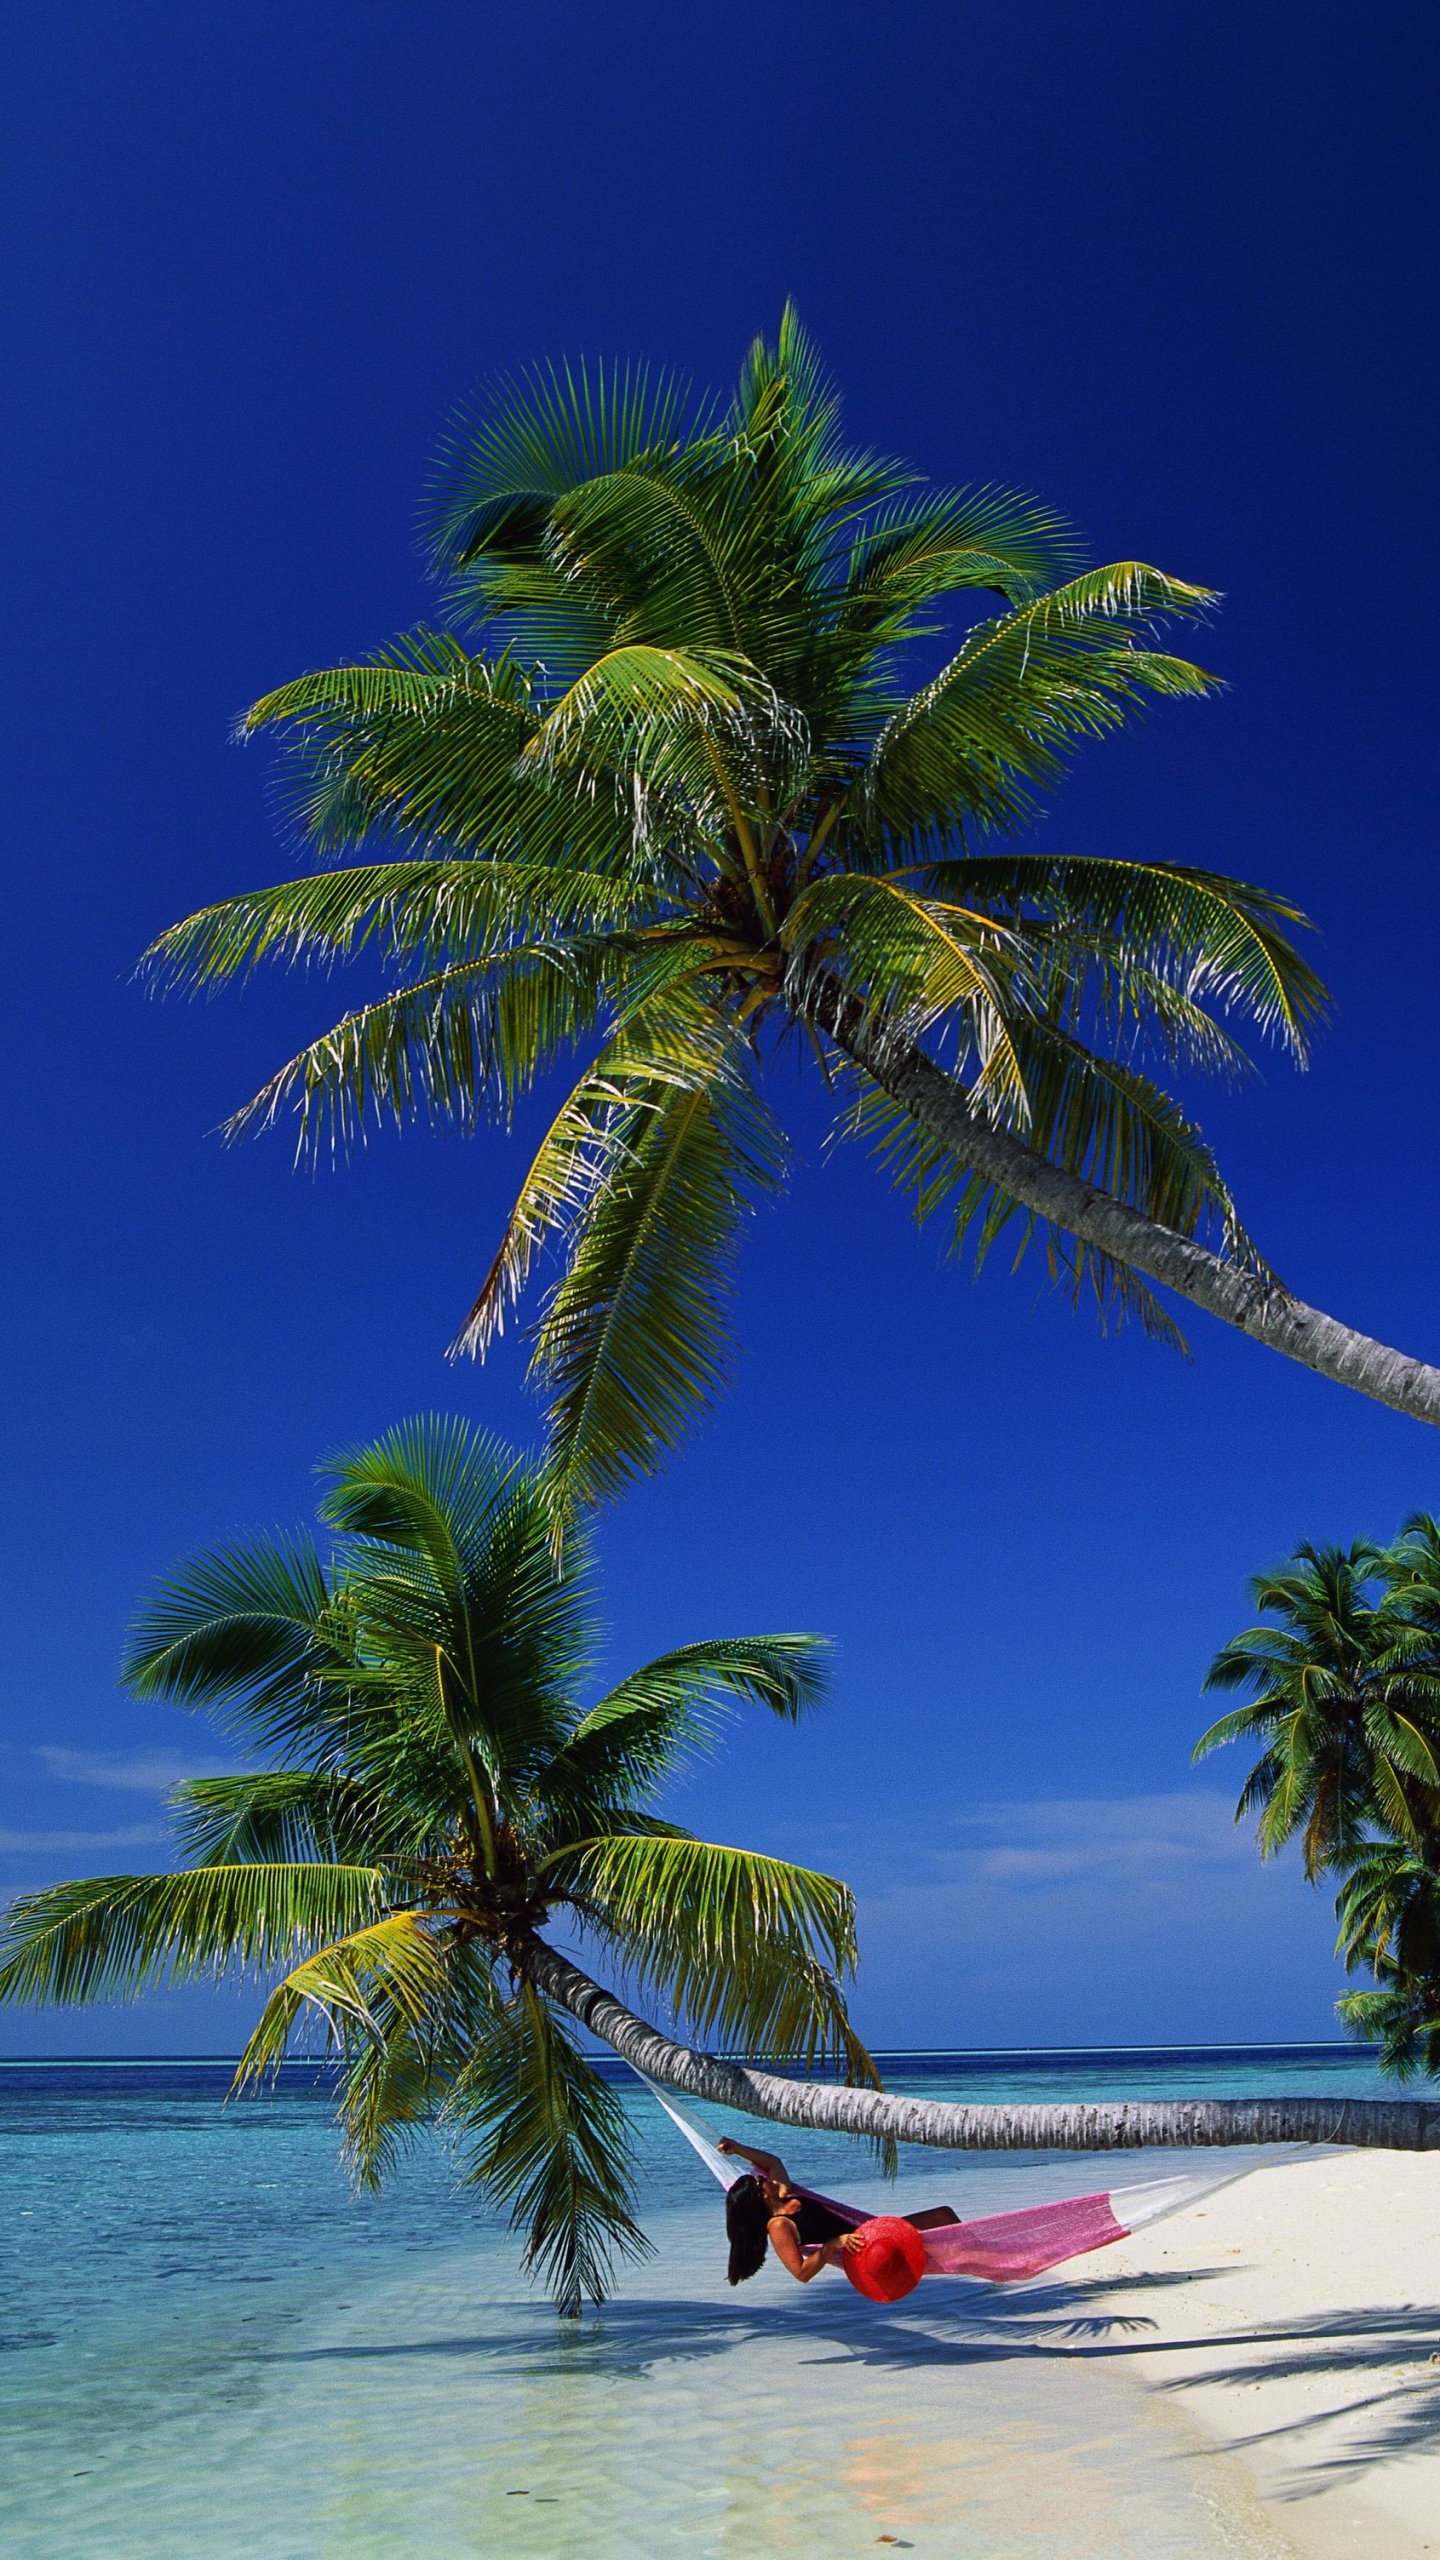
<point>1005,2248</point>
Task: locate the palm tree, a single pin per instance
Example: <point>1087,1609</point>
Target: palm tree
<point>434,1797</point>
<point>1389,1914</point>
<point>1347,1707</point>
<point>1345,1701</point>
<point>676,804</point>
<point>1389,1904</point>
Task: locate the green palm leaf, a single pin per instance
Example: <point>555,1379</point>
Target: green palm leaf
<point>541,2132</point>
<point>652,1722</point>
<point>789,1674</point>
<point>276,1817</point>
<point>113,1937</point>
<point>387,1977</point>
<point>254,1633</point>
<point>920,548</point>
<point>1108,1122</point>
<point>974,747</point>
<point>536,438</point>
<point>632,1340</point>
<point>421,743</point>
<point>918,962</point>
<point>586,1148</point>
<point>746,1948</point>
<point>454,1046</point>
<point>1349,1727</point>
<point>470,910</point>
<point>1219,941</point>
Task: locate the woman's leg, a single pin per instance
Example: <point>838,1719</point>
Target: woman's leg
<point>933,2217</point>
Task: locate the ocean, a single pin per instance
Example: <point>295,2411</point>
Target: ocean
<point>213,2350</point>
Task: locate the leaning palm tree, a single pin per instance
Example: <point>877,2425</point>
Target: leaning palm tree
<point>1345,1706</point>
<point>434,1798</point>
<point>669,792</point>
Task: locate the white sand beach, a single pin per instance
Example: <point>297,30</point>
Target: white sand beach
<point>1296,2321</point>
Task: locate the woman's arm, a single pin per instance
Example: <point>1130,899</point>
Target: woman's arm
<point>764,2161</point>
<point>798,2261</point>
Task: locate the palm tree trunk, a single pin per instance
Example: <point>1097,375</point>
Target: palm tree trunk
<point>1254,1303</point>
<point>1372,2124</point>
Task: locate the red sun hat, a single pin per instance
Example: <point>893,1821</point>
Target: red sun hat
<point>890,2262</point>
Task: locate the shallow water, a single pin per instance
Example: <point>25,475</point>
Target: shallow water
<point>211,2348</point>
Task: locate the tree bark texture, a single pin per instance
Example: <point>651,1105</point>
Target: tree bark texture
<point>1256,1305</point>
<point>1369,2124</point>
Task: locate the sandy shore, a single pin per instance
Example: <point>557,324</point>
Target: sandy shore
<point>1295,2320</point>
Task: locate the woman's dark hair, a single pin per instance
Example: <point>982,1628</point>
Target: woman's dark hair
<point>746,2215</point>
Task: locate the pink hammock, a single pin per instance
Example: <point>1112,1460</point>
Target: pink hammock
<point>1005,2248</point>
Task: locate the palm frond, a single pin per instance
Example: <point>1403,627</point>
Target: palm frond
<point>450,1047</point>
<point>1221,941</point>
<point>921,547</point>
<point>1107,1123</point>
<point>645,541</point>
<point>917,963</point>
<point>1344,1712</point>
<point>112,1937</point>
<point>789,1674</point>
<point>536,437</point>
<point>746,1948</point>
<point>441,911</point>
<point>421,744</point>
<point>452,1562</point>
<point>277,1817</point>
<point>252,1632</point>
<point>434,1487</point>
<point>653,1721</point>
<point>974,747</point>
<point>540,2131</point>
<point>387,1977</point>
<point>632,1341</point>
<point>584,1145</point>
<point>1404,2020</point>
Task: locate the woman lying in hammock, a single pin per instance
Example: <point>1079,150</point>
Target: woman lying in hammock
<point>804,2234</point>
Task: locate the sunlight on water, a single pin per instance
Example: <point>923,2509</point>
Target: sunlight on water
<point>212,2349</point>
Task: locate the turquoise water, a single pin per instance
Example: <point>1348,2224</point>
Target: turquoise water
<point>212,2349</point>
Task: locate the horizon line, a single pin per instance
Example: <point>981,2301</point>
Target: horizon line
<point>895,2053</point>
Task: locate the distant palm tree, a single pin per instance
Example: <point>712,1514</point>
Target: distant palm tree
<point>1389,1905</point>
<point>1347,1705</point>
<point>1389,1914</point>
<point>681,804</point>
<point>437,1797</point>
<point>1346,1701</point>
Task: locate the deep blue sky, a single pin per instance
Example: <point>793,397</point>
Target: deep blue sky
<point>1167,266</point>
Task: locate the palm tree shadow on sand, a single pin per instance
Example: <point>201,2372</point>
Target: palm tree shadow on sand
<point>1398,2349</point>
<point>639,2334</point>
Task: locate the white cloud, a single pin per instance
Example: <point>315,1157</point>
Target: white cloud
<point>1142,1919</point>
<point>140,1772</point>
<point>1095,1836</point>
<point>134,1835</point>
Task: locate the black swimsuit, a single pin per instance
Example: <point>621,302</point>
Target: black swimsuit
<point>816,2224</point>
